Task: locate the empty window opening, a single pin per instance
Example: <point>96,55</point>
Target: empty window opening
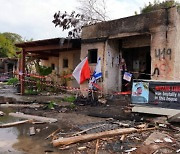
<point>53,66</point>
<point>65,63</point>
<point>92,56</point>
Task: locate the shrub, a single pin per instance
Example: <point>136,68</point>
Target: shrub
<point>12,81</point>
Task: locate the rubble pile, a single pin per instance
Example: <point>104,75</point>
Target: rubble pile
<point>122,137</point>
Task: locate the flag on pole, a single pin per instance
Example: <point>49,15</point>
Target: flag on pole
<point>82,71</point>
<point>97,74</point>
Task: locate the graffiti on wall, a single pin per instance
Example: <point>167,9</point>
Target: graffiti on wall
<point>162,67</point>
<point>163,53</point>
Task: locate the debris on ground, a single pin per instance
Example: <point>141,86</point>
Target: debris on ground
<point>83,101</point>
<point>156,142</point>
<point>93,136</point>
<point>139,139</point>
<point>157,136</point>
<point>130,150</point>
<point>97,126</point>
<point>32,131</point>
<point>1,113</point>
<point>174,118</point>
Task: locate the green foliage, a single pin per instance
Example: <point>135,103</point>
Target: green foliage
<point>72,106</point>
<point>51,105</point>
<point>64,80</point>
<point>43,70</point>
<point>7,44</point>
<point>12,81</point>
<point>6,47</point>
<point>30,92</point>
<point>159,5</point>
<point>39,85</point>
<point>13,37</point>
<point>69,99</point>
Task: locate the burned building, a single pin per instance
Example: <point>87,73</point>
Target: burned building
<point>7,67</point>
<point>145,45</point>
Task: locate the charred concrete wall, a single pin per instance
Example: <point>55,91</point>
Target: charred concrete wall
<point>123,27</point>
<point>177,51</point>
<point>73,58</point>
<point>112,74</point>
<point>48,63</point>
<point>165,47</point>
<point>85,47</point>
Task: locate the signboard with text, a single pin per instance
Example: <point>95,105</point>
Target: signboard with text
<point>156,93</point>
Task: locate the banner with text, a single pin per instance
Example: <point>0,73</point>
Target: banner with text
<point>156,93</point>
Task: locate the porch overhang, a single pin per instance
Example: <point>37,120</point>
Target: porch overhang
<point>43,49</point>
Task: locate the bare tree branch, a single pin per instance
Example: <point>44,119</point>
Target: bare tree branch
<point>92,11</point>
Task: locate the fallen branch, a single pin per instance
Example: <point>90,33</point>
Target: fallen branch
<point>88,137</point>
<point>97,146</point>
<point>14,123</point>
<point>38,118</point>
<point>21,105</point>
<point>83,131</point>
<point>53,133</point>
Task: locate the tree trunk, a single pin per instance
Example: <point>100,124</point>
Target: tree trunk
<point>88,137</point>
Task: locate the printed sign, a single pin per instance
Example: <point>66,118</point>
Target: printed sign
<point>160,94</point>
<point>127,76</point>
<point>140,92</point>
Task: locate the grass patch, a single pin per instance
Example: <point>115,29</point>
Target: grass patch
<point>51,105</point>
<point>72,106</point>
<point>30,92</point>
<point>69,99</point>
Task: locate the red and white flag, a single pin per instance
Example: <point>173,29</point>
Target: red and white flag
<point>82,71</point>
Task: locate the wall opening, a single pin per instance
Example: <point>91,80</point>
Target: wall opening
<point>92,56</point>
<point>65,63</point>
<point>53,66</point>
<point>138,63</point>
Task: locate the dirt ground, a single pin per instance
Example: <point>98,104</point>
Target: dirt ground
<point>76,117</point>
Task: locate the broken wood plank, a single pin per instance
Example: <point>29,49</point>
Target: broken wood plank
<point>14,123</point>
<point>88,137</point>
<point>97,146</point>
<point>141,126</point>
<point>53,133</point>
<point>123,138</point>
<point>33,117</point>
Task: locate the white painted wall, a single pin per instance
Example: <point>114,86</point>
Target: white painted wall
<point>112,77</point>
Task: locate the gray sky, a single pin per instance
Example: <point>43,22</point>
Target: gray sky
<point>33,18</point>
